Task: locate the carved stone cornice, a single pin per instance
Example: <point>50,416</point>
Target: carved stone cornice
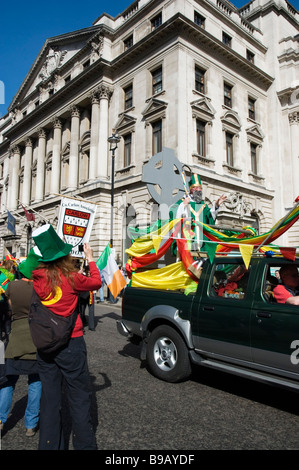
<point>96,44</point>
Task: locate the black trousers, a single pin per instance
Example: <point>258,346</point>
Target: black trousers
<point>71,364</point>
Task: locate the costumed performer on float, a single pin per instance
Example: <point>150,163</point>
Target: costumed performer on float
<point>193,207</point>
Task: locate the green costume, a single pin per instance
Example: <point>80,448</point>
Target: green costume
<point>198,211</point>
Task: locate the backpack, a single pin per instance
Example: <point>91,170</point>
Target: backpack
<point>49,331</point>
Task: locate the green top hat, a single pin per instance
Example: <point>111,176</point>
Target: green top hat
<point>194,181</point>
<point>50,244</point>
<point>30,263</point>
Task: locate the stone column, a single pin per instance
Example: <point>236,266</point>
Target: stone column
<point>9,173</point>
<point>294,128</point>
<point>40,167</point>
<point>74,149</point>
<point>104,95</point>
<point>148,139</point>
<point>94,136</point>
<point>55,177</point>
<point>27,172</point>
<point>15,176</point>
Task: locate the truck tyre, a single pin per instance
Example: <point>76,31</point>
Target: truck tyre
<point>167,355</point>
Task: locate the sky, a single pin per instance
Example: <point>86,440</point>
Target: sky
<point>25,26</point>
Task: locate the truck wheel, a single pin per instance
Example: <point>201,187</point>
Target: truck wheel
<point>167,355</point>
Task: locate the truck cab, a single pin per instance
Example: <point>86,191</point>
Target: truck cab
<point>231,322</point>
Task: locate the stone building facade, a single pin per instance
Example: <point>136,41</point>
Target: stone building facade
<point>217,84</point>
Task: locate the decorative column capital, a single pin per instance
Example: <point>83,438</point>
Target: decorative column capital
<point>16,150</point>
<point>104,92</point>
<point>294,117</point>
<point>28,142</point>
<point>41,133</point>
<point>57,124</point>
<point>94,98</point>
<point>75,111</point>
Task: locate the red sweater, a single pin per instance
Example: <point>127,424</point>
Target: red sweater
<point>65,300</point>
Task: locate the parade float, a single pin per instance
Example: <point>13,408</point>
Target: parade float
<point>176,235</point>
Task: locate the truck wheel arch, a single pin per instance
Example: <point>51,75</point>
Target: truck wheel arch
<point>166,314</point>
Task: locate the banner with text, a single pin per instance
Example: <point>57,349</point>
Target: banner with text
<point>75,223</point>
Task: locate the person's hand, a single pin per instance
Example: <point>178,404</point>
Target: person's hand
<point>186,200</point>
<point>220,200</point>
<point>88,252</point>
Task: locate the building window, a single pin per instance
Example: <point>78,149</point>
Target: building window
<point>199,80</point>
<point>128,91</point>
<point>199,19</point>
<point>201,137</point>
<point>127,149</point>
<point>157,136</point>
<point>156,21</point>
<point>157,80</point>
<point>253,157</point>
<point>227,40</point>
<point>229,149</point>
<point>250,56</point>
<point>228,95</point>
<point>128,42</point>
<point>251,108</point>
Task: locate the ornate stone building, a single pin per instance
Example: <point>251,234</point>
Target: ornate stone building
<point>217,84</point>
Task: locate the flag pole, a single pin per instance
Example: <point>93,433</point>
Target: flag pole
<point>31,209</point>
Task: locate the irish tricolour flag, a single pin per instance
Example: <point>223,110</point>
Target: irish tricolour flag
<point>112,275</point>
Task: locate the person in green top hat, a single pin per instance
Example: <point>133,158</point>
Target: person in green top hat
<point>58,283</point>
<point>193,207</point>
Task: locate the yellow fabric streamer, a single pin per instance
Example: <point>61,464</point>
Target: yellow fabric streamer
<point>157,243</point>
<point>246,252</point>
<point>144,245</point>
<point>171,277</point>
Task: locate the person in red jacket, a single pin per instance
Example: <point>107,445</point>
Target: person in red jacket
<point>288,291</point>
<point>58,284</point>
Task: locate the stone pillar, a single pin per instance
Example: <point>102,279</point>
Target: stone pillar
<point>74,149</point>
<point>40,167</point>
<point>102,167</point>
<point>55,177</point>
<point>15,176</point>
<point>94,136</point>
<point>27,172</point>
<point>9,177</point>
<point>148,140</point>
<point>294,128</point>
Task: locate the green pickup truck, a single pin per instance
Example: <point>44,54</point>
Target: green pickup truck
<point>230,323</point>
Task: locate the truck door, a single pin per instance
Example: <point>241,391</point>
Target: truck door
<point>221,320</point>
<point>275,328</point>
